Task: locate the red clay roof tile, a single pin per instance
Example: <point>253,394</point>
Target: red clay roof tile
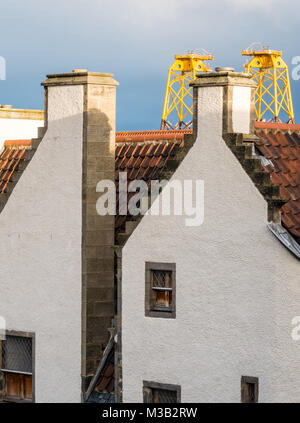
<point>145,154</point>
<point>281,144</point>
<point>17,143</point>
<point>106,380</point>
<point>14,152</point>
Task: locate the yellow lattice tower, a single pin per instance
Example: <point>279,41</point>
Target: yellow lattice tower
<point>178,104</point>
<point>273,92</point>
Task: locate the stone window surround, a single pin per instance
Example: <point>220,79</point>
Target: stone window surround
<point>250,380</point>
<point>148,290</point>
<point>23,335</point>
<point>164,386</point>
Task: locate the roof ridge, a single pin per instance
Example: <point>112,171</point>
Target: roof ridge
<point>278,125</point>
<point>18,143</point>
<point>140,136</point>
<point>155,131</point>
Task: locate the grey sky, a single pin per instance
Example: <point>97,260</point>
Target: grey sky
<point>136,40</point>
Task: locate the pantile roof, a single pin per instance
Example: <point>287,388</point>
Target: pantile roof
<point>14,152</point>
<point>282,149</point>
<point>106,382</point>
<point>146,154</point>
<point>143,155</point>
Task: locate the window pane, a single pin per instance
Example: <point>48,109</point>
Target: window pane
<point>13,384</point>
<point>28,387</point>
<point>17,354</point>
<point>18,386</point>
<point>163,299</point>
<point>160,298</point>
<point>162,279</point>
<point>165,396</point>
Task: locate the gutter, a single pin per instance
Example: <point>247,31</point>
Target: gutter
<point>102,363</point>
<point>285,238</point>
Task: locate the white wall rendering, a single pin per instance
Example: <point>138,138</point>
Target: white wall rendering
<point>19,124</point>
<point>40,250</point>
<point>237,287</point>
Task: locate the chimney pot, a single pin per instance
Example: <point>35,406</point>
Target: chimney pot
<point>227,95</point>
<point>224,69</point>
<point>79,70</point>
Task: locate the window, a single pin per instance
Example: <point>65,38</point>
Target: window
<point>161,393</point>
<point>249,389</point>
<point>160,290</point>
<point>17,367</point>
<point>161,282</point>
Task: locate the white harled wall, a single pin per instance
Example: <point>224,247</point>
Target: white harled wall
<point>13,129</point>
<point>237,287</point>
<point>40,250</point>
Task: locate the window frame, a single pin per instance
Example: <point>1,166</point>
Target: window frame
<point>150,311</point>
<point>19,334</point>
<point>162,386</point>
<point>247,380</point>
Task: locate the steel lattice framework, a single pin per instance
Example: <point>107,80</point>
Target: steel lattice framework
<point>273,93</point>
<point>178,103</point>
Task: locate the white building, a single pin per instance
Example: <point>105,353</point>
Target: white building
<point>56,256</point>
<point>18,124</point>
<point>218,327</point>
<point>204,312</point>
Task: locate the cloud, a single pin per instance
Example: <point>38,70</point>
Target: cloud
<point>134,39</point>
<point>161,10</point>
<point>260,5</point>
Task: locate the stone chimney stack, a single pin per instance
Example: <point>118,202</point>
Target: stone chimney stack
<point>224,111</point>
<point>88,100</point>
<point>224,100</point>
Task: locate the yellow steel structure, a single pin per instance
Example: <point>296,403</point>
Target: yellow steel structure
<point>178,103</point>
<point>273,92</point>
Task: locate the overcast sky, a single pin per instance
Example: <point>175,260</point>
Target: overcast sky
<point>136,40</point>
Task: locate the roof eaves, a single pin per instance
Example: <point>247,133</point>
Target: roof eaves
<point>173,156</point>
<point>14,158</point>
<point>285,238</point>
